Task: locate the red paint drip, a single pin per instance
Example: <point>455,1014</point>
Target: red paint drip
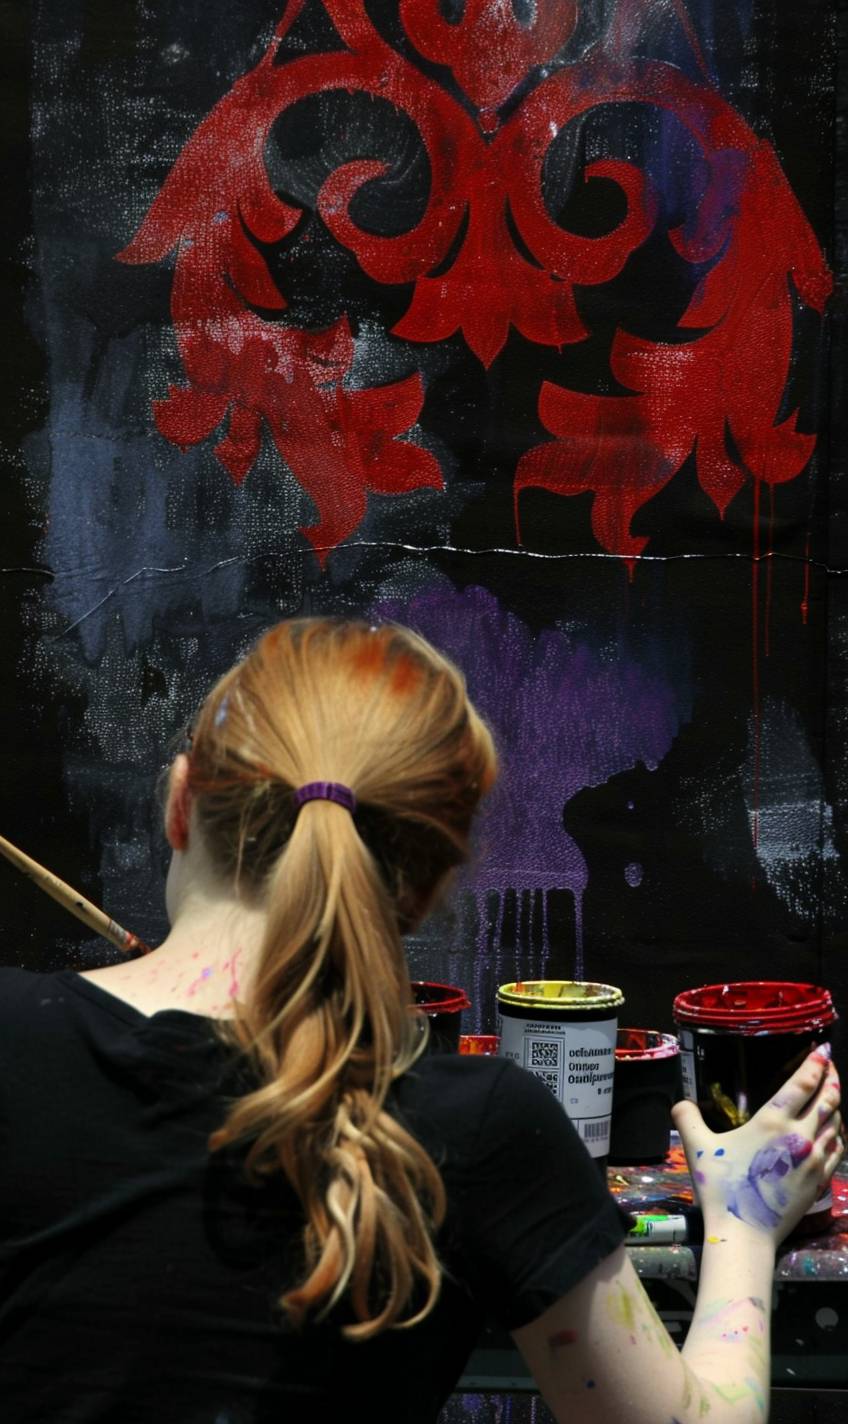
<point>691,34</point>
<point>769,575</point>
<point>755,666</point>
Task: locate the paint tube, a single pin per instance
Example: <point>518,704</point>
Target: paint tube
<point>684,1226</point>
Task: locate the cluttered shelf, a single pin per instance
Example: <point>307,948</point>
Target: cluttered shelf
<point>667,1187</point>
<point>810,1318</point>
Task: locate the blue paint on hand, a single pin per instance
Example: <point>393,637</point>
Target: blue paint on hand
<point>760,1197</point>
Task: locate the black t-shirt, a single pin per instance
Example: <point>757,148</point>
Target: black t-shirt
<point>139,1273</point>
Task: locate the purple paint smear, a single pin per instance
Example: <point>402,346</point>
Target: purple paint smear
<point>765,1178</point>
<point>565,716</point>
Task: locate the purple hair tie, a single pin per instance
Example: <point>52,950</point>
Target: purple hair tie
<point>326,791</point>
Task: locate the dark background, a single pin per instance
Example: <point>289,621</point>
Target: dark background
<point>133,574</point>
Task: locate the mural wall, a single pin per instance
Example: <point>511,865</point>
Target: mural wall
<point>501,318</point>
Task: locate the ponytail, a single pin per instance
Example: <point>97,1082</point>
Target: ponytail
<point>327,1020</point>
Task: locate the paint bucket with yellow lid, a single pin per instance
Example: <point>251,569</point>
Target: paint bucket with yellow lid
<point>564,1032</point>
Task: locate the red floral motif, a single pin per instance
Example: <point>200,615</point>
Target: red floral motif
<point>489,50</point>
<point>338,442</point>
<point>717,393</point>
<point>491,285</point>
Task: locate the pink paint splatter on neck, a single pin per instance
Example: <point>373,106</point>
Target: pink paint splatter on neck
<point>234,978</point>
<point>201,979</point>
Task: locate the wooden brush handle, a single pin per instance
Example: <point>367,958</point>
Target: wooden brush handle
<point>71,899</point>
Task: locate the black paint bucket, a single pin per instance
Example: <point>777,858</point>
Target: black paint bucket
<point>739,1042</point>
<point>647,1083</point>
<point>443,1004</point>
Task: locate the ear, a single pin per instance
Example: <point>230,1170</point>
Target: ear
<point>178,805</point>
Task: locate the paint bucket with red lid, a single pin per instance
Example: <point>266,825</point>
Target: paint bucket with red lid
<point>443,1004</point>
<point>740,1041</point>
<point>647,1083</point>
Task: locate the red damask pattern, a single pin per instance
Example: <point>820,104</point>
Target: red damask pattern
<point>490,52</point>
<point>716,393</point>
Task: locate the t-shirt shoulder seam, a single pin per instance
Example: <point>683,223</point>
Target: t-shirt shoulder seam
<point>108,1004</point>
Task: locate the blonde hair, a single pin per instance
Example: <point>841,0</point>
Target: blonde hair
<point>327,1019</point>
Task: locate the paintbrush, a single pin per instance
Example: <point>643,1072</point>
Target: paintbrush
<point>72,900</point>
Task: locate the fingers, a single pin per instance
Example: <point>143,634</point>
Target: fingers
<point>694,1132</point>
<point>806,1082</point>
<point>819,1112</point>
<point>833,1147</point>
<point>827,1119</point>
<point>686,1117</point>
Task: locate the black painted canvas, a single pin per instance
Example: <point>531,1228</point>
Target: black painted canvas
<point>508,320</point>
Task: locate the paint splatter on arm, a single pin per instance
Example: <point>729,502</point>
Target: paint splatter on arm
<point>728,1345</point>
<point>560,1338</point>
<point>605,1345</point>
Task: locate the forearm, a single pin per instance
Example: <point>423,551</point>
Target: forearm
<point>728,1345</point>
<point>601,1353</point>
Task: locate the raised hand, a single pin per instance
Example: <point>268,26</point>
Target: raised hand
<point>768,1173</point>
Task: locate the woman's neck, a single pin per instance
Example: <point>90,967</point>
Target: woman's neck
<point>208,957</point>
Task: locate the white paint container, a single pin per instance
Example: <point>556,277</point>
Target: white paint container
<point>564,1032</point>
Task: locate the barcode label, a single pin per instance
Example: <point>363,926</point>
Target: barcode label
<point>545,1052</point>
<point>576,1063</point>
<point>687,1070</point>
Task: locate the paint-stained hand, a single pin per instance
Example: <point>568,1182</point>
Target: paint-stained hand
<point>768,1173</point>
